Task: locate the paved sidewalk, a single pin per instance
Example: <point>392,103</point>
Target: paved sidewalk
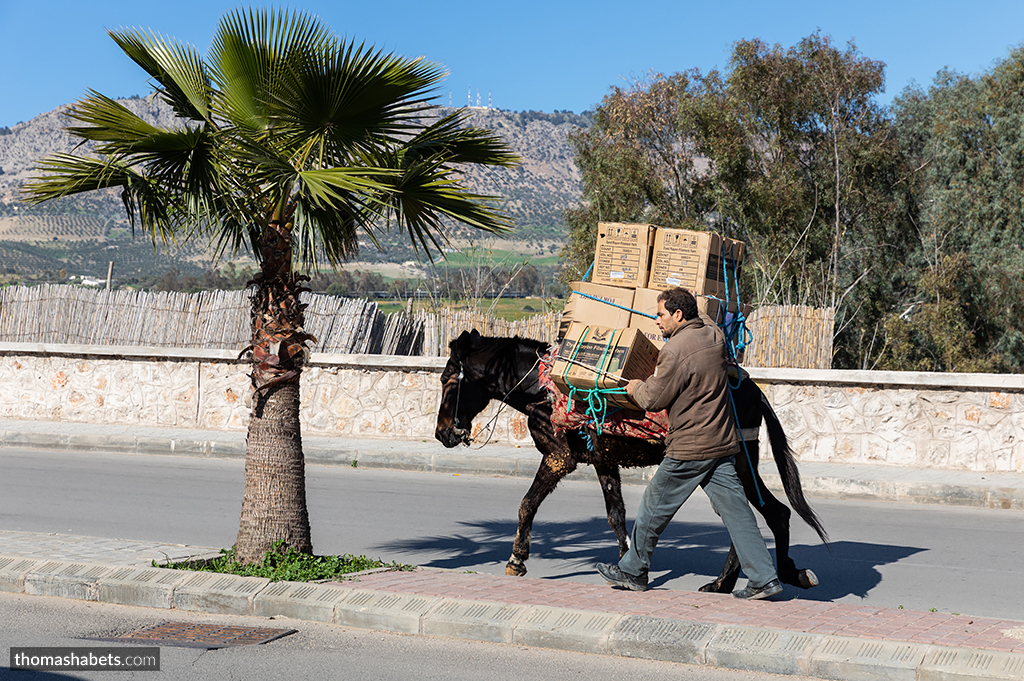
<point>827,640</point>
<point>878,483</point>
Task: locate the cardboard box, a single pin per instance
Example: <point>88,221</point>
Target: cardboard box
<point>645,300</point>
<point>622,255</point>
<point>596,304</point>
<point>693,260</point>
<point>588,354</point>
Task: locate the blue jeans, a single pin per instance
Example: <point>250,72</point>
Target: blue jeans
<point>671,486</point>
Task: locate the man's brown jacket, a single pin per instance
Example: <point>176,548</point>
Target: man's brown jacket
<point>690,380</point>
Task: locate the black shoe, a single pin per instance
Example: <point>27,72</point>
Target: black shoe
<point>619,578</point>
<point>754,593</point>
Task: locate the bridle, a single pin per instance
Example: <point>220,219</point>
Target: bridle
<point>458,396</point>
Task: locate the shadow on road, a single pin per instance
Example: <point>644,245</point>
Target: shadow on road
<point>849,568</point>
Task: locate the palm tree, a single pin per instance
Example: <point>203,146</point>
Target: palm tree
<point>291,143</point>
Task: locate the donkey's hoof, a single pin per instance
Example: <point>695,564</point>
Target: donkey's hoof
<point>515,570</point>
<point>713,588</point>
<point>807,579</point>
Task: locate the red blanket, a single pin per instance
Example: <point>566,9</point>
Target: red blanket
<point>623,422</point>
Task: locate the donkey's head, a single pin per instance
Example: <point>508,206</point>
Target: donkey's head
<point>463,394</point>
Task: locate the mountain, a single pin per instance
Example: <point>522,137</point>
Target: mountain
<point>536,192</point>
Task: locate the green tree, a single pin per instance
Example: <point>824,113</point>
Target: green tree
<point>785,150</point>
<point>290,143</point>
<point>937,334</point>
<point>964,137</point>
<point>635,166</point>
<point>807,170</point>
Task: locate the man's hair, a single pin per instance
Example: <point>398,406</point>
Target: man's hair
<point>679,299</point>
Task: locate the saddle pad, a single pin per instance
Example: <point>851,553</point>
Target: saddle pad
<point>621,422</point>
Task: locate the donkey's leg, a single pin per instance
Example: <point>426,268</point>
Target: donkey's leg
<point>730,573</point>
<point>772,511</point>
<point>553,467</point>
<point>776,515</point>
<point>611,487</point>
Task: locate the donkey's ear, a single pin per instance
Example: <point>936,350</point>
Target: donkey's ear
<point>474,337</point>
<point>461,346</point>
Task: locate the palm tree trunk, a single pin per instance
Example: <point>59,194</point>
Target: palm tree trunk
<point>274,505</point>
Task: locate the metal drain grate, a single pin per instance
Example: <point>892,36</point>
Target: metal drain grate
<point>209,636</point>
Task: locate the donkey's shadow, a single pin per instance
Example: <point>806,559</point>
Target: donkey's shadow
<point>844,568</point>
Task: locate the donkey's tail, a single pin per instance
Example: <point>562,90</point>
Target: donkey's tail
<point>787,469</point>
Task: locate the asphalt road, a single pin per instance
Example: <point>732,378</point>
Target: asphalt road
<point>967,561</point>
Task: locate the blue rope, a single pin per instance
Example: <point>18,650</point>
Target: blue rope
<point>589,269</point>
<point>737,335</point>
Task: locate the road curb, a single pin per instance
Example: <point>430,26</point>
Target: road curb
<point>755,649</point>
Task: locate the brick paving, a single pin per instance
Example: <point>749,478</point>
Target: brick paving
<point>837,619</point>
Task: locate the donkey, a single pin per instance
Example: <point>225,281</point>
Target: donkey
<point>481,369</point>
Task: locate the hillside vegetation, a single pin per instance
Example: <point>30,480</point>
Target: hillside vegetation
<point>84,233</point>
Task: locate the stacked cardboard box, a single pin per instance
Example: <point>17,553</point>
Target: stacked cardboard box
<point>602,358</point>
<point>622,255</point>
<point>633,263</point>
<point>597,304</point>
<point>701,262</point>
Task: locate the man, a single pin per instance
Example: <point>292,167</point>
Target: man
<point>690,380</point>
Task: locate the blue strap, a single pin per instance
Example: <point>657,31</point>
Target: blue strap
<point>737,335</point>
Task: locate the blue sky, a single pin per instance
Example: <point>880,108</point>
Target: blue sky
<point>545,56</point>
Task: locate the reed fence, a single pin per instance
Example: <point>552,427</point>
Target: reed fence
<point>783,336</point>
<point>61,314</point>
<point>442,327</point>
<point>790,336</point>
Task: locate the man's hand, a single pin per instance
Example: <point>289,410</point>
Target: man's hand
<point>631,386</point>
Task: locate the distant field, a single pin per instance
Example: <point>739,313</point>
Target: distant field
<point>511,309</point>
<point>497,258</point>
<point>47,228</point>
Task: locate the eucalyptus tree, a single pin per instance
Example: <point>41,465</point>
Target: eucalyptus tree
<point>964,311</point>
<point>636,165</point>
<point>785,149</point>
<point>290,142</point>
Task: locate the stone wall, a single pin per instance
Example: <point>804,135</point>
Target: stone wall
<point>969,422</point>
<point>357,395</point>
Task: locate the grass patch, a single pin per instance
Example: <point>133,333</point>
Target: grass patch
<point>511,309</point>
<point>290,565</point>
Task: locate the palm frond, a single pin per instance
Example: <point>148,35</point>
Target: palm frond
<point>177,68</point>
<point>67,175</point>
<point>249,56</point>
<point>106,120</point>
<point>350,98</point>
<point>449,138</point>
<point>284,122</point>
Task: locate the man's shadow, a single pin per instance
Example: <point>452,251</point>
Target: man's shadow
<point>843,568</point>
